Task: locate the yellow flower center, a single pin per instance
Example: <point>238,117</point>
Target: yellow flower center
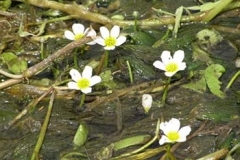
<point>110,41</point>
<point>83,83</point>
<point>173,136</point>
<point>78,36</point>
<point>172,67</point>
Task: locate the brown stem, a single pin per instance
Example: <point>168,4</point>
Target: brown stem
<point>81,12</point>
<point>44,63</point>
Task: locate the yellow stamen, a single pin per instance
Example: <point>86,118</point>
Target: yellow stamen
<point>78,36</point>
<point>83,83</point>
<point>110,41</point>
<point>173,136</point>
<point>172,67</point>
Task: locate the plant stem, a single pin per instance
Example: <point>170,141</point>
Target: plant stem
<point>82,100</point>
<point>75,60</point>
<point>130,72</point>
<point>164,97</point>
<point>216,10</point>
<point>232,80</point>
<point>43,129</point>
<point>106,58</point>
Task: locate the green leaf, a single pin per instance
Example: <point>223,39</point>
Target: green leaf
<point>131,141</point>
<point>212,75</point>
<point>142,38</point>
<point>198,86</point>
<point>81,135</point>
<point>107,79</point>
<point>15,64</point>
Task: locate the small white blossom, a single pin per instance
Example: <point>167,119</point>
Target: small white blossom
<point>146,102</point>
<point>172,132</point>
<point>110,39</point>
<point>169,64</point>
<point>78,32</point>
<point>85,81</point>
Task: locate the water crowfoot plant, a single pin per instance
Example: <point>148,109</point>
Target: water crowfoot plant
<point>173,133</point>
<point>78,32</point>
<point>171,65</point>
<point>110,39</point>
<point>83,82</point>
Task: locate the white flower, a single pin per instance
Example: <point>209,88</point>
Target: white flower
<point>169,64</point>
<point>146,102</point>
<point>83,82</point>
<point>110,39</point>
<point>172,132</point>
<point>79,32</point>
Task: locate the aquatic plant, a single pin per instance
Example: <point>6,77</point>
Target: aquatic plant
<point>110,39</point>
<point>169,64</point>
<point>84,81</point>
<point>172,132</point>
<point>146,102</point>
<point>79,31</point>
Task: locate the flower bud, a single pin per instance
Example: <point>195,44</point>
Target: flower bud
<point>146,102</point>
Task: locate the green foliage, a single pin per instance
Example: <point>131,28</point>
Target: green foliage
<point>210,77</point>
<point>212,74</point>
<point>142,38</point>
<point>81,135</point>
<point>5,4</point>
<point>107,79</point>
<point>198,86</point>
<point>15,64</point>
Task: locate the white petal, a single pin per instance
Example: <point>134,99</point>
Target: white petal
<point>90,32</point>
<point>87,72</point>
<point>182,66</point>
<point>174,124</point>
<point>100,41</point>
<point>178,56</point>
<point>109,47</point>
<point>87,90</point>
<point>91,43</point>
<point>185,131</point>
<point>166,57</point>
<point>121,40</point>
<point>75,75</point>
<point>164,139</point>
<point>94,80</point>
<point>78,28</point>
<point>115,31</point>
<point>164,127</point>
<point>169,74</point>
<point>182,139</point>
<point>159,65</point>
<point>72,85</point>
<point>69,35</point>
<point>104,32</point>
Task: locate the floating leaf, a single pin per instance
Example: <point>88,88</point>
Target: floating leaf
<point>17,65</point>
<point>81,135</point>
<point>142,38</point>
<point>14,64</point>
<point>131,141</point>
<point>212,75</point>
